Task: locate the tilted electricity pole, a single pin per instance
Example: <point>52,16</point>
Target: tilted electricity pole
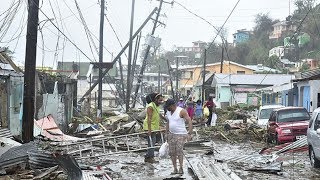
<point>144,62</point>
<point>99,110</point>
<point>117,57</point>
<point>204,76</point>
<point>128,95</point>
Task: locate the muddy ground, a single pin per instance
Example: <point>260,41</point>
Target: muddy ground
<point>132,166</point>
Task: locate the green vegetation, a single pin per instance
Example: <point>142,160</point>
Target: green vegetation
<point>256,49</point>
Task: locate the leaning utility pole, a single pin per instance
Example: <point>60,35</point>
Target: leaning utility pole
<point>122,92</point>
<point>204,75</point>
<point>128,95</point>
<point>170,78</point>
<point>222,57</point>
<point>30,68</point>
<point>144,62</point>
<point>177,77</point>
<point>99,110</point>
<point>118,56</point>
<point>159,77</point>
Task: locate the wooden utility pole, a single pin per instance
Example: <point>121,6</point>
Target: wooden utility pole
<point>170,78</point>
<point>122,95</point>
<point>204,75</point>
<point>222,57</point>
<point>99,110</point>
<point>135,56</point>
<point>128,95</point>
<point>177,77</point>
<point>117,57</point>
<point>30,70</point>
<point>159,76</point>
<point>144,62</point>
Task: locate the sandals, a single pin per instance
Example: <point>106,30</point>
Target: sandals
<point>177,172</point>
<point>174,172</point>
<point>180,171</point>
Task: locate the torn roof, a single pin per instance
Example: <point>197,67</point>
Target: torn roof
<point>5,72</point>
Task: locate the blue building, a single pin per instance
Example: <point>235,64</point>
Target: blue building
<point>308,88</point>
<point>302,91</point>
<point>241,36</point>
<point>285,94</point>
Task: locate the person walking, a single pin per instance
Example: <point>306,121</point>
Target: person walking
<point>152,123</point>
<point>210,105</point>
<point>199,111</point>
<point>181,103</point>
<point>190,107</point>
<point>177,133</point>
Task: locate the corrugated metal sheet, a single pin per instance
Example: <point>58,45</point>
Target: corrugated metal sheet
<point>41,159</point>
<point>9,73</point>
<point>252,79</point>
<point>48,128</point>
<point>16,155</point>
<point>88,176</point>
<point>5,132</point>
<point>310,73</point>
<point>251,158</point>
<point>297,144</point>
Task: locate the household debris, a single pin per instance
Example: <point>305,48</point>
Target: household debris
<point>48,128</point>
<point>106,145</point>
<point>216,171</point>
<point>274,168</point>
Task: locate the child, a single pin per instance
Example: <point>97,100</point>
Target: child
<point>198,111</point>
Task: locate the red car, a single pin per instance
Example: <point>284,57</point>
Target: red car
<point>287,124</point>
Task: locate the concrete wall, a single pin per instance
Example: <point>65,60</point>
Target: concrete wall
<point>60,106</point>
<point>223,96</point>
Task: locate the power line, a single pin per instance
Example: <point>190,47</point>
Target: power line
<point>115,33</point>
<point>76,48</point>
<point>8,19</point>
<point>65,36</point>
<point>217,34</point>
<point>87,31</point>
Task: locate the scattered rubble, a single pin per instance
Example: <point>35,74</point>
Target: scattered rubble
<point>113,148</point>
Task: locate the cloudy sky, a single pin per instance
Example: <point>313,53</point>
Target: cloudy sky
<point>182,28</point>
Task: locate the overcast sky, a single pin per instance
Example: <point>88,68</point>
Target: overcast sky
<point>182,28</point>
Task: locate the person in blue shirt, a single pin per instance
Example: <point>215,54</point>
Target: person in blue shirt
<point>199,111</point>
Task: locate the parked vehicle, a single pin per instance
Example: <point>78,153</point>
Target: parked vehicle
<point>264,114</point>
<point>314,138</point>
<point>287,124</point>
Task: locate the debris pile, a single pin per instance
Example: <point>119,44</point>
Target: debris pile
<point>235,124</point>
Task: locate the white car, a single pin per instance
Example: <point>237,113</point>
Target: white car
<point>264,114</point>
<point>313,135</point>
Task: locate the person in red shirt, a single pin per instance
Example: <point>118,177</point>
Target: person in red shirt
<point>210,105</point>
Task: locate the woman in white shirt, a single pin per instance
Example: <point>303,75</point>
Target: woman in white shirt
<point>177,133</point>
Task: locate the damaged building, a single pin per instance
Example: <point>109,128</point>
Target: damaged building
<point>55,95</point>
